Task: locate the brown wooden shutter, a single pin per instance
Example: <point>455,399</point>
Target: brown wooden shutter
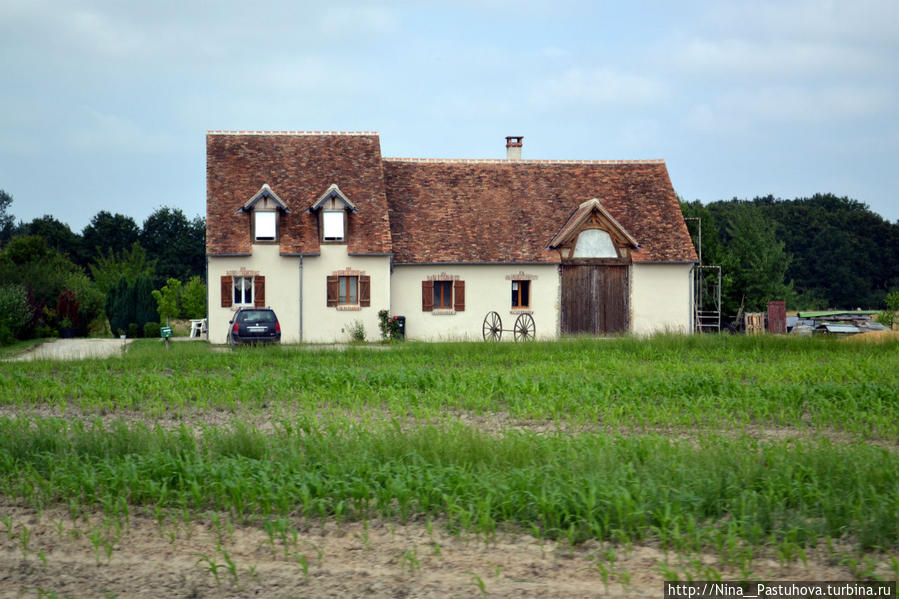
<point>227,292</point>
<point>459,296</point>
<point>333,291</point>
<point>364,291</point>
<point>427,296</point>
<point>259,291</point>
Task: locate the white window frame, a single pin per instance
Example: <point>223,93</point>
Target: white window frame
<point>245,287</point>
<point>333,222</point>
<point>265,222</point>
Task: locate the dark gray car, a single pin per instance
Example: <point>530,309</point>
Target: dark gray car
<point>254,325</point>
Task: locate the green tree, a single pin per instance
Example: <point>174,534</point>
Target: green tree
<point>120,306</point>
<point>15,313</point>
<point>177,244</point>
<point>193,298</point>
<point>58,236</point>
<point>110,233</point>
<point>7,222</point>
<point>167,300</point>
<point>108,268</point>
<point>145,303</point>
<point>90,301</point>
<point>28,261</point>
<point>760,259</point>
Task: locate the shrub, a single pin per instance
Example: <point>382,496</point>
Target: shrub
<point>15,311</point>
<point>891,315</point>
<point>90,300</point>
<point>151,330</point>
<point>6,336</point>
<point>390,326</point>
<point>45,331</point>
<point>357,331</point>
<point>133,330</point>
<point>67,310</point>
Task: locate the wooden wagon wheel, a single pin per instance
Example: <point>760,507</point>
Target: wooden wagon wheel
<point>493,327</point>
<point>525,329</point>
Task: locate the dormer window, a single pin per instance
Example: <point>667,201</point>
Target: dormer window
<point>333,225</point>
<point>591,233</point>
<point>333,219</point>
<point>264,208</point>
<point>265,226</point>
<point>594,243</point>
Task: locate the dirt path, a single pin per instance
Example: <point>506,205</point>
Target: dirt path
<point>146,559</point>
<point>74,349</point>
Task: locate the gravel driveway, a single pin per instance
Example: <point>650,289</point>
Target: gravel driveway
<point>74,349</point>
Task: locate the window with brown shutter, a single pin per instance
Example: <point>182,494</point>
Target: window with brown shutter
<point>364,291</point>
<point>333,291</point>
<point>226,291</point>
<point>259,291</point>
<point>427,296</point>
<point>459,296</point>
<point>443,295</point>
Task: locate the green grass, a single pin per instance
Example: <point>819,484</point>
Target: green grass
<point>607,487</point>
<point>366,433</point>
<point>710,382</point>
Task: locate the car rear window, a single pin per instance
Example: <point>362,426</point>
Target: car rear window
<point>256,316</point>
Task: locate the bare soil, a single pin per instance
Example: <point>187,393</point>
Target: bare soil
<point>149,559</point>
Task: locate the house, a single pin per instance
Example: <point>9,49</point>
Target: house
<point>326,231</point>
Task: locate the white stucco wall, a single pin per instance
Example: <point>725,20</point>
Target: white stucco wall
<point>322,324</point>
<point>487,288</point>
<point>282,283</point>
<point>660,298</point>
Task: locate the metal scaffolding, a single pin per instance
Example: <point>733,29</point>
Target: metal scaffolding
<point>706,290</point>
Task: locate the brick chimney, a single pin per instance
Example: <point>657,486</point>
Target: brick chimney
<point>513,147</point>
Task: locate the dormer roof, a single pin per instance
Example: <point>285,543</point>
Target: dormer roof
<point>265,192</point>
<point>333,192</point>
<point>582,216</point>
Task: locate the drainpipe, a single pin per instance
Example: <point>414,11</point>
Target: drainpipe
<point>301,299</point>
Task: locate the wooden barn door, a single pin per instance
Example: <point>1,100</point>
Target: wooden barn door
<point>595,299</point>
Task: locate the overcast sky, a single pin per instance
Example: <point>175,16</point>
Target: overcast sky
<point>105,105</point>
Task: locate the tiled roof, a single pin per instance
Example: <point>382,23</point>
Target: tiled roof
<point>439,210</point>
<point>509,211</point>
<point>299,167</point>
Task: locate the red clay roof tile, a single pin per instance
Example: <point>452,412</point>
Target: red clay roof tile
<point>509,211</point>
<point>429,210</point>
<point>299,167</point>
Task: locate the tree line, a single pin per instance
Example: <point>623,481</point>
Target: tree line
<point>104,279</point>
<point>820,252</point>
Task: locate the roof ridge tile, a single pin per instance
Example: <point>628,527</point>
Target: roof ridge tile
<point>513,162</point>
<point>285,132</point>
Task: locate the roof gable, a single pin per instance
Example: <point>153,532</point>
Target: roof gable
<point>582,216</point>
<point>265,192</point>
<point>333,193</point>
